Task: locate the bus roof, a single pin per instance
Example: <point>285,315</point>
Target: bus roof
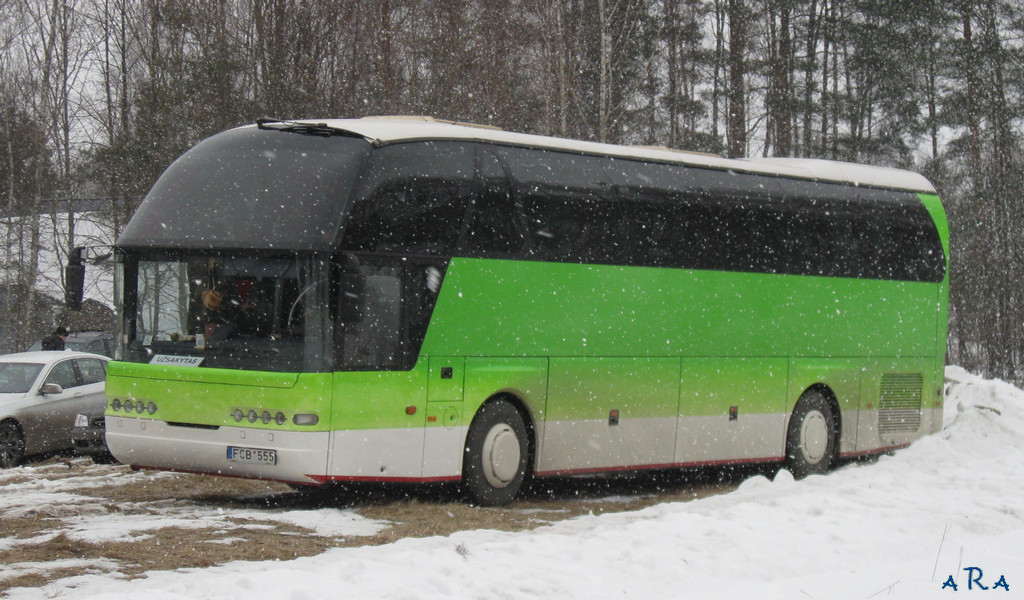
<point>394,129</point>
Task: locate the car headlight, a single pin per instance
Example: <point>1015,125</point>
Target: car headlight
<point>81,420</point>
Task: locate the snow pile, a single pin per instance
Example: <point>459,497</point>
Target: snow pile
<point>948,510</point>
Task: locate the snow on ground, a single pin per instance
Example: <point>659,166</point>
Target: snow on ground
<point>86,519</point>
<point>949,509</point>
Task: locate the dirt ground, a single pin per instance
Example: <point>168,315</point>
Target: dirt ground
<point>37,535</point>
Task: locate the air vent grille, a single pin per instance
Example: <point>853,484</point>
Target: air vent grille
<point>899,403</point>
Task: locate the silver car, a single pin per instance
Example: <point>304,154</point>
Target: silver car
<point>40,394</point>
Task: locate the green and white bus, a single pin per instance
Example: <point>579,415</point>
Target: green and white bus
<point>408,300</point>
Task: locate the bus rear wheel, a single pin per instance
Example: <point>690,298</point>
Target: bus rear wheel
<point>496,456</point>
<point>811,437</point>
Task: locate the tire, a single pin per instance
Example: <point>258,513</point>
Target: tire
<point>12,445</point>
<point>497,455</point>
<point>811,436</point>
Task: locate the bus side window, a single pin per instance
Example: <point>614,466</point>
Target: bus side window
<point>560,224</point>
<point>494,227</point>
<point>415,200</point>
<point>374,341</point>
<point>395,306</point>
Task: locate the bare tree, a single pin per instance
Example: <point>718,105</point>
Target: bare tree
<point>779,101</point>
<point>739,15</point>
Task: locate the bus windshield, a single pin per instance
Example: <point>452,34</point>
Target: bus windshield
<point>243,312</point>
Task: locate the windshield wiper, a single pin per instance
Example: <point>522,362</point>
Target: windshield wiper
<point>296,127</point>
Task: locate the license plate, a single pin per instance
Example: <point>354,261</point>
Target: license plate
<point>253,456</point>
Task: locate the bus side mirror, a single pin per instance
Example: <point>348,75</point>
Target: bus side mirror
<point>351,297</point>
<point>74,280</point>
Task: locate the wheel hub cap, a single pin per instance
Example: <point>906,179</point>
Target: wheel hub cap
<point>814,436</point>
<point>501,455</point>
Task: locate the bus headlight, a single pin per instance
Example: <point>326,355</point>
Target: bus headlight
<point>81,420</point>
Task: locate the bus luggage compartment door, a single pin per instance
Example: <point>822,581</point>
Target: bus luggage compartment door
<point>445,430</point>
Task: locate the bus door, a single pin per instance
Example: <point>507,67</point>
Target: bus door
<point>445,429</point>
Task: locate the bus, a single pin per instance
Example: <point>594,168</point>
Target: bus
<point>411,300</point>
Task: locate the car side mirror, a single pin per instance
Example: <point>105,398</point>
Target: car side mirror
<point>50,388</point>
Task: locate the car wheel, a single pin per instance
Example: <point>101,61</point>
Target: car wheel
<point>12,445</point>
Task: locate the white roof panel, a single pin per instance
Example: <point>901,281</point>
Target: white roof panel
<point>385,130</point>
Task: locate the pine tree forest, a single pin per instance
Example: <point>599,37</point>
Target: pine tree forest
<point>97,97</point>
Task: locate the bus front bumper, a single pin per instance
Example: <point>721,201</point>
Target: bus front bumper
<point>288,456</point>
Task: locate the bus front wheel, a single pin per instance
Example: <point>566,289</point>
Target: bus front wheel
<point>811,438</point>
<point>496,455</point>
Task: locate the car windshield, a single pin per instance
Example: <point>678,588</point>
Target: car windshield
<point>17,378</point>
